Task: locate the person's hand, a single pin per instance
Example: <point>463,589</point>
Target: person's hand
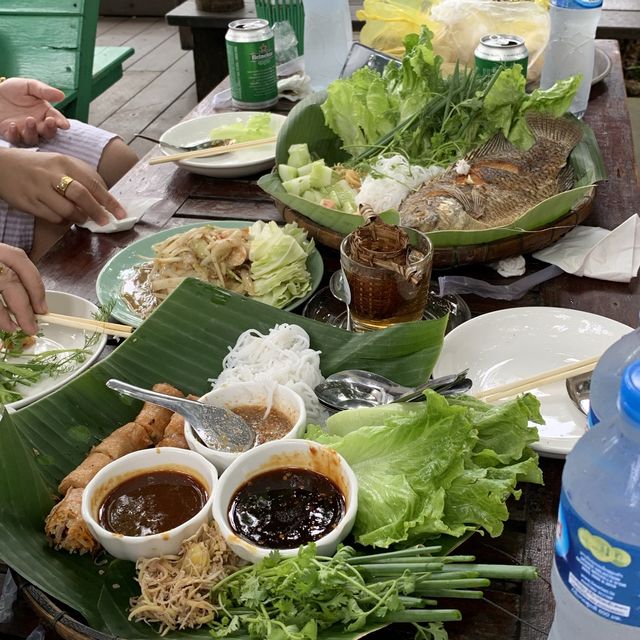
<point>22,291</point>
<point>26,113</point>
<point>30,182</point>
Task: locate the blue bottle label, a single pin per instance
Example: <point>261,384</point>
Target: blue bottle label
<point>601,572</point>
<point>577,4</point>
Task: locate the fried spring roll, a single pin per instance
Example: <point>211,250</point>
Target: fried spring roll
<point>84,472</point>
<point>65,527</point>
<point>174,433</point>
<point>130,437</point>
<point>154,418</point>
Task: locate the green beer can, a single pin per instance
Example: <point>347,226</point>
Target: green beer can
<point>500,50</point>
<point>252,64</point>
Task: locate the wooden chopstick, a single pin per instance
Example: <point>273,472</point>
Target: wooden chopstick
<point>214,151</point>
<point>87,324</point>
<point>546,377</point>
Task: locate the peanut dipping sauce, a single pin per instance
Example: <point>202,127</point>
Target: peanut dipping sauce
<point>151,502</point>
<point>275,426</point>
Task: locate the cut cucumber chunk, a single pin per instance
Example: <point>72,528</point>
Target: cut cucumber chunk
<point>287,172</point>
<point>297,186</point>
<point>299,155</point>
<point>320,176</point>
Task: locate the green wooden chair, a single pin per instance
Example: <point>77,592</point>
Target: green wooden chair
<point>55,41</point>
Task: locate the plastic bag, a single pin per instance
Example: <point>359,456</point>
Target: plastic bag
<point>457,26</point>
<point>389,21</point>
<point>461,24</point>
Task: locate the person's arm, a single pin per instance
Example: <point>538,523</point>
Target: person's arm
<point>22,291</point>
<point>26,113</point>
<point>29,181</point>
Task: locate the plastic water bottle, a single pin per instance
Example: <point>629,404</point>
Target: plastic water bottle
<point>327,39</point>
<point>571,47</point>
<point>606,377</point>
<point>596,571</point>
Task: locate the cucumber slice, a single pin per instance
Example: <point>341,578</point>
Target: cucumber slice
<point>320,176</point>
<point>306,169</point>
<point>299,155</point>
<point>297,186</point>
<point>287,172</point>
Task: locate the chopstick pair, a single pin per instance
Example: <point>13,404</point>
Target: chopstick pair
<point>87,324</point>
<point>207,153</point>
<point>546,377</point>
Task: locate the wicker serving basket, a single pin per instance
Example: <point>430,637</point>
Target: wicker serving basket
<point>448,257</point>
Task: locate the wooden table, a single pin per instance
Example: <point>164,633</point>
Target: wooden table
<point>620,20</point>
<point>73,265</point>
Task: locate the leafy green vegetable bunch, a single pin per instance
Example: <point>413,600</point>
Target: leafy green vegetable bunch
<point>414,109</point>
<point>432,468</point>
<point>297,598</point>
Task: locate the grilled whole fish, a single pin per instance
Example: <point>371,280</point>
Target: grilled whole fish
<point>496,183</point>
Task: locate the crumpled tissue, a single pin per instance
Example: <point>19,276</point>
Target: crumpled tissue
<point>293,84</point>
<point>598,253</point>
<point>135,208</point>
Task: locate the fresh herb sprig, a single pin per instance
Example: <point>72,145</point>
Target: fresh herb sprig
<point>18,368</point>
<point>295,598</point>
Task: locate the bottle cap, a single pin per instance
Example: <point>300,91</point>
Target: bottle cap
<point>577,4</point>
<point>630,392</point>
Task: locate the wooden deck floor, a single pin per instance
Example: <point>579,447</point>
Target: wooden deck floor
<point>158,87</point>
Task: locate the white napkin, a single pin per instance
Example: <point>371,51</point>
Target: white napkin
<point>598,253</point>
<point>135,209</point>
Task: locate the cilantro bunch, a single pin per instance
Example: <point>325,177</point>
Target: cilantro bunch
<point>298,597</point>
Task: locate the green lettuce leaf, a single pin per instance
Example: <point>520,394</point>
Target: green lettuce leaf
<point>278,263</point>
<point>255,128</point>
<point>434,467</point>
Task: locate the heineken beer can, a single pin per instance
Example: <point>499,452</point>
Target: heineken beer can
<point>500,50</point>
<point>252,64</point>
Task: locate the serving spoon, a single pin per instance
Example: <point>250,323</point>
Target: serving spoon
<point>339,288</point>
<point>219,429</point>
<point>579,389</point>
<point>356,388</point>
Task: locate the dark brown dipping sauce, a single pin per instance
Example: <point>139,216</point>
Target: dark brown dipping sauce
<point>151,502</point>
<point>275,426</point>
<point>284,508</point>
<point>137,291</point>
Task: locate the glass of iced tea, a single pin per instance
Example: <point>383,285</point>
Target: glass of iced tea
<point>387,270</point>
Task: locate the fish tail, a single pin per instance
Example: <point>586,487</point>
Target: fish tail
<point>561,131</point>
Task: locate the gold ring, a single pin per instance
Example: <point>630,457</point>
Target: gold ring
<point>63,185</point>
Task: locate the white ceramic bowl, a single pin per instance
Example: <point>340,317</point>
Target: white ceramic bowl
<point>167,542</point>
<point>274,455</point>
<point>238,394</point>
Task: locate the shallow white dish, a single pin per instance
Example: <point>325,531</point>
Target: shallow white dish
<point>511,344</point>
<point>57,337</point>
<point>236,164</point>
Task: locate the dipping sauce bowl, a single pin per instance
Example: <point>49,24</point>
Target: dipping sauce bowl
<point>278,458</point>
<point>250,394</point>
<point>126,494</point>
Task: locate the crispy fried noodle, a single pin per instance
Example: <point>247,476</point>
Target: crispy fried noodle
<point>175,589</point>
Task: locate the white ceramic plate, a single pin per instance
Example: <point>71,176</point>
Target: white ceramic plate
<point>601,65</point>
<point>511,344</point>
<point>236,164</point>
<point>57,337</point>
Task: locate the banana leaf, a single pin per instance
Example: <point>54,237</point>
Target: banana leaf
<point>306,124</point>
<point>183,342</point>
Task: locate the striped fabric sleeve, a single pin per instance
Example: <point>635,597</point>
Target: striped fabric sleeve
<point>81,141</point>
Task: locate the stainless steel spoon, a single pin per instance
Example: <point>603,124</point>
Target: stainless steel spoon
<point>206,143</point>
<point>356,388</point>
<point>340,289</point>
<point>579,389</point>
<point>219,429</point>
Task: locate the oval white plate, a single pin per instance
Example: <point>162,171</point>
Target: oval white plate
<point>236,164</point>
<point>57,337</point>
<point>511,344</point>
